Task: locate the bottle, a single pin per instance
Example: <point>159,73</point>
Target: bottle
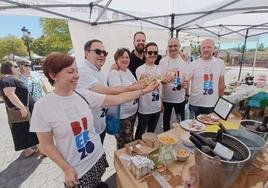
<point>219,149</point>
<point>223,128</point>
<point>263,127</point>
<point>219,135</point>
<point>203,148</point>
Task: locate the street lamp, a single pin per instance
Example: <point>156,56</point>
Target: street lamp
<point>26,37</point>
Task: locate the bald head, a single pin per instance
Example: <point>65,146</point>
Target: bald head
<point>207,47</point>
<point>173,47</point>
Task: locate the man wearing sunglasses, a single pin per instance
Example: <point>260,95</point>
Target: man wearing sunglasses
<point>92,78</point>
<point>173,94</point>
<point>137,57</point>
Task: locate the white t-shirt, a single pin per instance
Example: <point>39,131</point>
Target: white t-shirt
<point>121,78</point>
<point>90,77</point>
<point>170,92</point>
<point>71,122</point>
<point>205,76</point>
<point>151,102</point>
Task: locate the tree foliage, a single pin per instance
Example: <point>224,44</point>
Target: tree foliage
<point>40,46</point>
<point>261,47</point>
<point>56,37</point>
<point>12,45</point>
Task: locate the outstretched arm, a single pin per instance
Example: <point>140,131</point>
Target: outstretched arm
<point>121,98</point>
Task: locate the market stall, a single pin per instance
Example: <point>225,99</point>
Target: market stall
<point>256,175</point>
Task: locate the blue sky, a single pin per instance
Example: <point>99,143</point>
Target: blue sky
<point>13,24</point>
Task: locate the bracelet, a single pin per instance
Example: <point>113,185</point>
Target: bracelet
<point>141,92</point>
<point>187,95</point>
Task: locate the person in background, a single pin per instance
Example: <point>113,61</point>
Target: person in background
<point>207,80</point>
<point>64,123</point>
<point>149,104</point>
<point>16,94</point>
<point>173,93</point>
<point>137,57</point>
<point>32,80</point>
<point>92,77</point>
<point>215,52</point>
<point>128,111</point>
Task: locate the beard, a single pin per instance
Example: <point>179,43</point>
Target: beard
<point>139,48</point>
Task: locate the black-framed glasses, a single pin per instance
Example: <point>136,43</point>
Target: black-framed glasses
<point>99,51</point>
<point>174,46</point>
<point>152,52</point>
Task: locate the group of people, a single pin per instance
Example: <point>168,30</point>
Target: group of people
<point>21,88</point>
<point>70,121</point>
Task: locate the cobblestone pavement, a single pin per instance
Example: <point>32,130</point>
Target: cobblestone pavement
<point>35,172</point>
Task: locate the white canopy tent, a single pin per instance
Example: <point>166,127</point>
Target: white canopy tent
<point>15,58</point>
<point>224,20</point>
<point>174,15</point>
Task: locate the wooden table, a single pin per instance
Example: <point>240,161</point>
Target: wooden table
<point>256,175</point>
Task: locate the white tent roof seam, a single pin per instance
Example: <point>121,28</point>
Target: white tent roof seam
<point>224,19</point>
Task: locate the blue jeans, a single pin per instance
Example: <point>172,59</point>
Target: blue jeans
<point>200,110</point>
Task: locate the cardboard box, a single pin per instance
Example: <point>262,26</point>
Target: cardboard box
<point>130,146</point>
<point>139,147</point>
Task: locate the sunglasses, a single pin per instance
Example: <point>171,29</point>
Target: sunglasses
<point>99,52</point>
<point>152,52</point>
<point>15,66</point>
<point>27,65</point>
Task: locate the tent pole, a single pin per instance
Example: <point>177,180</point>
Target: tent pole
<point>243,55</point>
<point>177,33</point>
<point>172,25</point>
<point>103,10</point>
<point>255,57</point>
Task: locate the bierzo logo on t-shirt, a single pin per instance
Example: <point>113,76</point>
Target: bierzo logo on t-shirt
<point>208,84</point>
<point>82,137</point>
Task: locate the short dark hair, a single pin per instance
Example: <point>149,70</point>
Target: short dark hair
<point>119,52</point>
<point>89,43</point>
<point>138,32</point>
<point>6,67</point>
<point>150,44</point>
<point>54,63</point>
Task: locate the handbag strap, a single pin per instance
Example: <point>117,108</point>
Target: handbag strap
<point>32,87</point>
<point>82,98</point>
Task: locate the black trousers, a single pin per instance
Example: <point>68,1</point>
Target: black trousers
<point>146,121</point>
<point>179,109</point>
<point>201,110</point>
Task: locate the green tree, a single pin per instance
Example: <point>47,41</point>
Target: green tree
<point>227,58</point>
<point>12,45</point>
<point>242,48</point>
<point>195,49</point>
<point>40,46</point>
<point>261,47</point>
<point>56,35</point>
